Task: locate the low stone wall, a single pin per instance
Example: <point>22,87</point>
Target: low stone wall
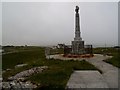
<point>27,73</point>
<point>18,85</point>
<point>17,82</point>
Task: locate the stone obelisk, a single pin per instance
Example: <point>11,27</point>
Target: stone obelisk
<point>77,44</point>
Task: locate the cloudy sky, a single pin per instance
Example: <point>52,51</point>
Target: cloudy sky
<point>50,23</point>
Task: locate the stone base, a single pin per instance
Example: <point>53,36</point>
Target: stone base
<point>78,47</point>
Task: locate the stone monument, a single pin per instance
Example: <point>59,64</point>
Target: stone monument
<point>77,44</point>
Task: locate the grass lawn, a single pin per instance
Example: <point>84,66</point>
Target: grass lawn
<point>56,76</point>
<point>115,60</point>
<point>25,56</point>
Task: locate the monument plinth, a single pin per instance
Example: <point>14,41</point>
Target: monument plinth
<point>77,44</point>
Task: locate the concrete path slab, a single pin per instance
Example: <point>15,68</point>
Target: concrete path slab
<point>86,79</point>
<point>60,57</point>
<point>110,72</point>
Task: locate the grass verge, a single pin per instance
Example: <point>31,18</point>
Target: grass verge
<point>56,76</point>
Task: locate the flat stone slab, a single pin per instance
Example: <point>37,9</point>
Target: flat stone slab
<point>60,57</point>
<point>110,72</point>
<point>86,79</point>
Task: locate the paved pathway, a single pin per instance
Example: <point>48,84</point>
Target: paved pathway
<point>110,72</point>
<point>86,79</point>
<point>109,76</point>
<point>60,56</point>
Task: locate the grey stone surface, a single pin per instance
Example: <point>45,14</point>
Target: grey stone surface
<point>77,44</point>
<point>60,56</point>
<point>20,65</point>
<point>17,82</point>
<point>77,47</point>
<point>18,85</point>
<point>86,79</point>
<point>5,85</point>
<point>27,73</point>
<point>109,74</point>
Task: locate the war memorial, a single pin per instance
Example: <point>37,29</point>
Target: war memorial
<point>78,49</point>
<point>77,44</point>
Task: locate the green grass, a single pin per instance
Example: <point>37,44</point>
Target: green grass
<point>59,72</point>
<point>18,48</point>
<point>12,59</point>
<point>56,51</point>
<point>56,76</point>
<point>115,60</point>
<point>107,50</point>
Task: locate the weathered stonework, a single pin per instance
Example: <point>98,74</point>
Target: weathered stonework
<point>77,47</point>
<point>77,44</point>
<point>18,81</point>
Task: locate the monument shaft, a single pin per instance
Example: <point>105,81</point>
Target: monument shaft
<point>77,27</point>
<point>77,44</point>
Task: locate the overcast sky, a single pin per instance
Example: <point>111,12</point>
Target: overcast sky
<point>51,23</point>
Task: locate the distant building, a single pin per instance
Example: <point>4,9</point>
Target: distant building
<point>60,45</point>
<point>54,47</point>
